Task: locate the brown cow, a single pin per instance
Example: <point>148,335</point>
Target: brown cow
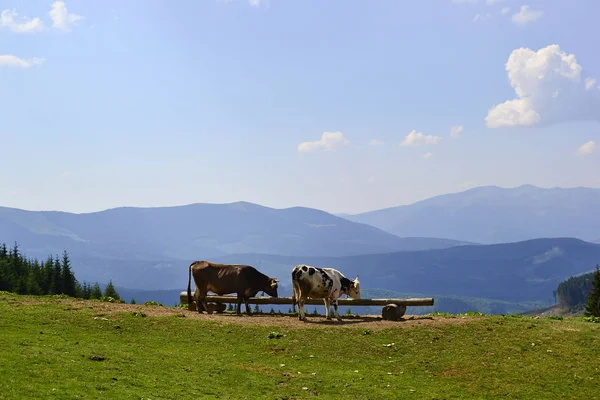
<point>244,280</point>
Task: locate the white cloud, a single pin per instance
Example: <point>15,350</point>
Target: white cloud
<point>525,16</point>
<point>329,142</point>
<point>481,17</point>
<point>464,1</point>
<point>254,3</point>
<point>587,148</point>
<point>10,19</point>
<point>589,83</point>
<point>548,90</point>
<point>490,2</point>
<point>428,155</point>
<point>456,131</point>
<point>61,18</point>
<point>375,142</point>
<point>505,10</point>
<point>415,138</point>
<point>10,60</point>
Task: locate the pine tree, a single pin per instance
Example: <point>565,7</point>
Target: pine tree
<point>69,283</point>
<point>57,277</point>
<point>256,308</point>
<point>133,301</point>
<point>592,307</point>
<point>96,292</point>
<point>110,291</point>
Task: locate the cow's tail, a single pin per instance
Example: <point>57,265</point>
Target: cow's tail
<point>189,291</point>
<point>293,291</point>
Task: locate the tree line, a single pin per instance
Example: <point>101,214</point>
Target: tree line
<point>22,275</point>
<point>581,292</point>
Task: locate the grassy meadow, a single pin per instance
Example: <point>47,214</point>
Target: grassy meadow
<point>57,348</point>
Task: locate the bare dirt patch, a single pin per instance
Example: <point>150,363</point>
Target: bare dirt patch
<point>281,321</point>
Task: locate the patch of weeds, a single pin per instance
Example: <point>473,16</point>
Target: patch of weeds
<point>366,331</point>
<point>138,314</point>
<point>153,303</point>
<point>474,314</point>
<point>275,335</point>
<point>109,299</point>
<point>556,317</point>
<point>595,320</point>
<point>440,314</point>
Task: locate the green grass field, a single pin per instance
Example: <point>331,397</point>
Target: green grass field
<point>52,348</point>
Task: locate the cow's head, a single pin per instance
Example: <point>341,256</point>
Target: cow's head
<point>271,287</point>
<point>354,290</point>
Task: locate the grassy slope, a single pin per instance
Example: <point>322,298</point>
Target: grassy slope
<point>45,351</point>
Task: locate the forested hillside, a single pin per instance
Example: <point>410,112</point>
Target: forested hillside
<point>572,294</point>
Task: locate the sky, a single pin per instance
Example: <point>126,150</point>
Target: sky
<point>341,105</point>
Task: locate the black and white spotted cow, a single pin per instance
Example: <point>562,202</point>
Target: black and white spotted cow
<point>321,283</point>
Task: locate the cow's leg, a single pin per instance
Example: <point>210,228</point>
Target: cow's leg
<point>201,300</point>
<point>327,316</point>
<point>301,314</point>
<point>246,298</point>
<point>239,304</point>
<point>335,307</point>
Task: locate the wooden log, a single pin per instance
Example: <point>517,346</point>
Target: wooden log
<point>426,301</point>
<point>392,312</point>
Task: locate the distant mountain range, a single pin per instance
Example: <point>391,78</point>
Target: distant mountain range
<point>495,215</point>
<point>199,231</point>
<point>439,251</point>
<point>513,272</point>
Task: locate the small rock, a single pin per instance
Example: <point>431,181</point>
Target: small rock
<point>97,358</point>
<point>304,388</point>
<point>282,365</point>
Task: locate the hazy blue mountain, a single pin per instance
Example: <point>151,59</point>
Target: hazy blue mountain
<point>495,215</point>
<point>512,272</point>
<point>198,231</point>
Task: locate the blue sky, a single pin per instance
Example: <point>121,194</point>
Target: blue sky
<point>341,105</point>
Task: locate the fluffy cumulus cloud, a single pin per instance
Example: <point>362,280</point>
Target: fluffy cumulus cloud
<point>9,19</point>
<point>62,19</point>
<point>505,10</point>
<point>254,3</point>
<point>587,148</point>
<point>549,89</point>
<point>330,141</point>
<point>590,83</point>
<point>415,138</point>
<point>9,60</point>
<point>526,15</point>
<point>456,131</point>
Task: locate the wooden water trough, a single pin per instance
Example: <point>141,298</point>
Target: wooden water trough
<point>393,309</point>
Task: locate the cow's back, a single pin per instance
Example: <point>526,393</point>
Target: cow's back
<point>314,282</point>
<point>219,278</point>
